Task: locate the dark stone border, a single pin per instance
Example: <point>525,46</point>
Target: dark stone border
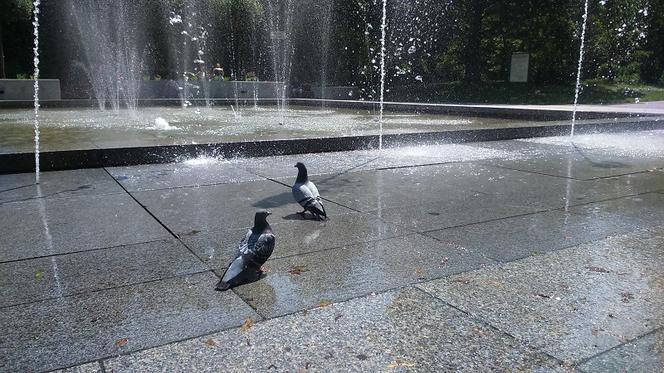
<point>96,158</point>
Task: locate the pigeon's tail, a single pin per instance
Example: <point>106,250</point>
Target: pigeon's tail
<point>318,210</point>
<point>222,286</point>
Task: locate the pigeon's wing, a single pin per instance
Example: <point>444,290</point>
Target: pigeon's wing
<point>303,195</point>
<point>242,247</point>
<point>234,270</point>
<point>263,248</point>
<point>312,187</point>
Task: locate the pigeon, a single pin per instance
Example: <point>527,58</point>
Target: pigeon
<point>306,194</point>
<point>252,252</point>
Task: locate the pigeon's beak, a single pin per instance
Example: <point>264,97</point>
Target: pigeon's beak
<point>269,213</point>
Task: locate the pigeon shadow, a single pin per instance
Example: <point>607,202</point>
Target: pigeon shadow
<point>294,216</point>
<point>278,200</point>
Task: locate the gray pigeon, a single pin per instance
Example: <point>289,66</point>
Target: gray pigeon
<point>252,252</point>
<point>306,194</point>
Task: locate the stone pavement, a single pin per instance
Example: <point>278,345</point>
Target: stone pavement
<point>539,255</point>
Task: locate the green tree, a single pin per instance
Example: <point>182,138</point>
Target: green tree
<point>15,15</point>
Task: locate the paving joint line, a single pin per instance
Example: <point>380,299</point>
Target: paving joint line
<point>157,220</point>
<point>540,212</point>
<point>57,197</point>
<point>566,177</point>
<point>533,172</point>
<point>93,291</point>
<point>616,347</point>
<point>83,251</point>
<point>246,301</point>
<point>481,321</point>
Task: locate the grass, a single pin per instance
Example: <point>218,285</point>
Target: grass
<point>594,92</point>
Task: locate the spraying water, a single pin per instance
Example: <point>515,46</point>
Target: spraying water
<point>383,27</point>
<point>325,48</point>
<point>578,72</point>
<point>35,49</point>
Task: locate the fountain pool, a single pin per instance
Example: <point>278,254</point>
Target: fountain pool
<point>76,129</point>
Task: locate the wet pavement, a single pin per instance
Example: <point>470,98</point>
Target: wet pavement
<point>535,255</point>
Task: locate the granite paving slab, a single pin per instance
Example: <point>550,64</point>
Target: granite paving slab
<point>64,225</point>
<point>194,172</point>
<point>643,143</point>
<point>392,332</point>
<point>294,237</point>
<point>645,354</point>
<point>433,154</point>
<point>85,368</point>
<point>584,164</point>
<point>317,164</point>
<point>57,276</point>
<point>345,162</point>
<point>514,238</point>
<point>524,149</point>
<point>73,330</point>
<point>304,281</point>
<point>572,303</point>
<point>647,209</point>
<point>380,189</point>
<point>56,184</point>
<point>452,211</point>
<point>518,187</point>
<point>218,207</point>
<point>638,183</point>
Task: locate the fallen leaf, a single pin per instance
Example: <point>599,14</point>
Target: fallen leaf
<point>211,343</point>
<point>595,332</point>
<point>481,332</point>
<point>338,316</point>
<point>400,363</point>
<point>362,356</point>
<point>598,269</point>
<point>39,275</point>
<point>297,270</point>
<point>463,280</point>
<point>121,342</point>
<point>419,271</point>
<point>324,303</point>
<point>248,323</point>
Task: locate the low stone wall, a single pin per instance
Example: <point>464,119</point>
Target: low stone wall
<point>23,89</point>
<point>153,89</point>
<point>335,93</point>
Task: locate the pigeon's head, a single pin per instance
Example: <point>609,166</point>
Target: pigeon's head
<point>300,166</point>
<point>262,214</point>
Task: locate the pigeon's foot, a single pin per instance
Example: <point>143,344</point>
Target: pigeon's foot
<point>265,269</point>
<point>222,286</point>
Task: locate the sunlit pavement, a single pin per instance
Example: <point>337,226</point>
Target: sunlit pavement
<point>539,255</point>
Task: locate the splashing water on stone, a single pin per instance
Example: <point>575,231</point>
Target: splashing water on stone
<point>578,72</point>
<point>383,27</point>
<point>35,24</point>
